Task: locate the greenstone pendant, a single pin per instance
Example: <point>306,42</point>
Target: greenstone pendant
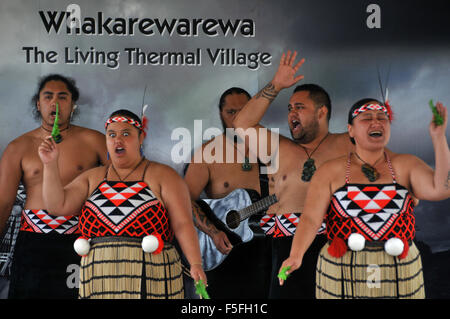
<point>308,170</point>
<point>370,172</point>
<point>246,166</point>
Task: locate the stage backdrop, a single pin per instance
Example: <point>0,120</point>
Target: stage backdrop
<point>188,52</point>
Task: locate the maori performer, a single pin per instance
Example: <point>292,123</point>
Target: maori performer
<point>43,249</point>
<point>368,198</point>
<point>311,144</point>
<point>217,179</point>
<point>130,211</point>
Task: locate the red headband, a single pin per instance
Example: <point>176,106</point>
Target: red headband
<point>373,106</point>
<point>123,119</point>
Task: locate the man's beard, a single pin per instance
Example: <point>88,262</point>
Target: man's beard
<point>308,133</point>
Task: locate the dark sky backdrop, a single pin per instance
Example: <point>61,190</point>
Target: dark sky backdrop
<point>342,55</point>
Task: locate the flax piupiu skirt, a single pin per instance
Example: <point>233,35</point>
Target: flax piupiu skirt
<point>370,273</point>
<point>118,268</point>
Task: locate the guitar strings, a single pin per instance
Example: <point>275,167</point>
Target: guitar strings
<point>262,203</point>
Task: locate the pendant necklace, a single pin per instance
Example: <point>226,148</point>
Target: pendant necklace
<point>123,179</point>
<point>50,131</point>
<point>246,166</point>
<point>369,170</point>
<point>309,167</point>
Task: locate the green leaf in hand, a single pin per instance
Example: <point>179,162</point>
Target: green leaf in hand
<point>438,120</point>
<point>282,275</point>
<point>55,131</point>
<point>200,289</point>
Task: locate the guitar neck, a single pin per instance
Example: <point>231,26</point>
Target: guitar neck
<point>258,206</point>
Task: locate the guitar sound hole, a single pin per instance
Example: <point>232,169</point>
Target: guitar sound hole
<point>232,219</point>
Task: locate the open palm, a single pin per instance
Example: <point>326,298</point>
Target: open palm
<point>286,73</point>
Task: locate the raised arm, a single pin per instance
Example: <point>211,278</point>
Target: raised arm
<point>285,77</point>
<point>252,113</point>
<point>175,195</point>
<point>434,185</point>
<point>59,200</point>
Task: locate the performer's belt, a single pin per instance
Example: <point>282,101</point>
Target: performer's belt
<point>115,239</point>
<point>40,221</point>
<point>279,225</point>
<point>374,244</point>
<point>283,225</point>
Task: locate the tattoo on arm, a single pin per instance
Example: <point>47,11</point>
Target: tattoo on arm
<point>201,221</point>
<point>268,92</point>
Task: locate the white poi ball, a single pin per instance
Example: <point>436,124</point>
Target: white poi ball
<point>150,243</point>
<point>394,246</point>
<point>356,242</point>
<point>81,246</point>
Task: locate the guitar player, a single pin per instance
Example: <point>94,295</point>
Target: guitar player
<point>243,274</point>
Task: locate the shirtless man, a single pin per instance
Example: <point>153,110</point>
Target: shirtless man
<point>217,180</point>
<point>44,246</point>
<point>311,145</point>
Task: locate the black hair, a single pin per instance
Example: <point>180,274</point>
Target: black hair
<point>356,106</point>
<point>69,82</point>
<point>233,90</point>
<point>318,95</point>
<point>128,114</point>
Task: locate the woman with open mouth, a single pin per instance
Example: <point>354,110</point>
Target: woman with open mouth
<point>367,199</point>
<point>129,212</point>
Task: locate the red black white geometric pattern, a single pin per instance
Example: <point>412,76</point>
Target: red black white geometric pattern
<point>367,107</point>
<point>123,119</point>
<point>39,221</point>
<point>282,225</point>
<point>124,209</point>
<point>376,211</point>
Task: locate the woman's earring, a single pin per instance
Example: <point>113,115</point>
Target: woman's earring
<point>141,149</point>
<point>107,156</point>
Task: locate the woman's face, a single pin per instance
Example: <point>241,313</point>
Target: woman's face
<point>123,142</point>
<point>371,129</point>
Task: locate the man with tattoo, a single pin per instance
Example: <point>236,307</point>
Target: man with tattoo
<point>217,178</point>
<point>311,145</point>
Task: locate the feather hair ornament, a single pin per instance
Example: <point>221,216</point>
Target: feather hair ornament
<point>144,118</point>
<point>385,94</point>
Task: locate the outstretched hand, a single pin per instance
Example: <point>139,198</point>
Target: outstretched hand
<point>48,151</point>
<point>285,76</point>
<point>197,273</point>
<point>291,264</point>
